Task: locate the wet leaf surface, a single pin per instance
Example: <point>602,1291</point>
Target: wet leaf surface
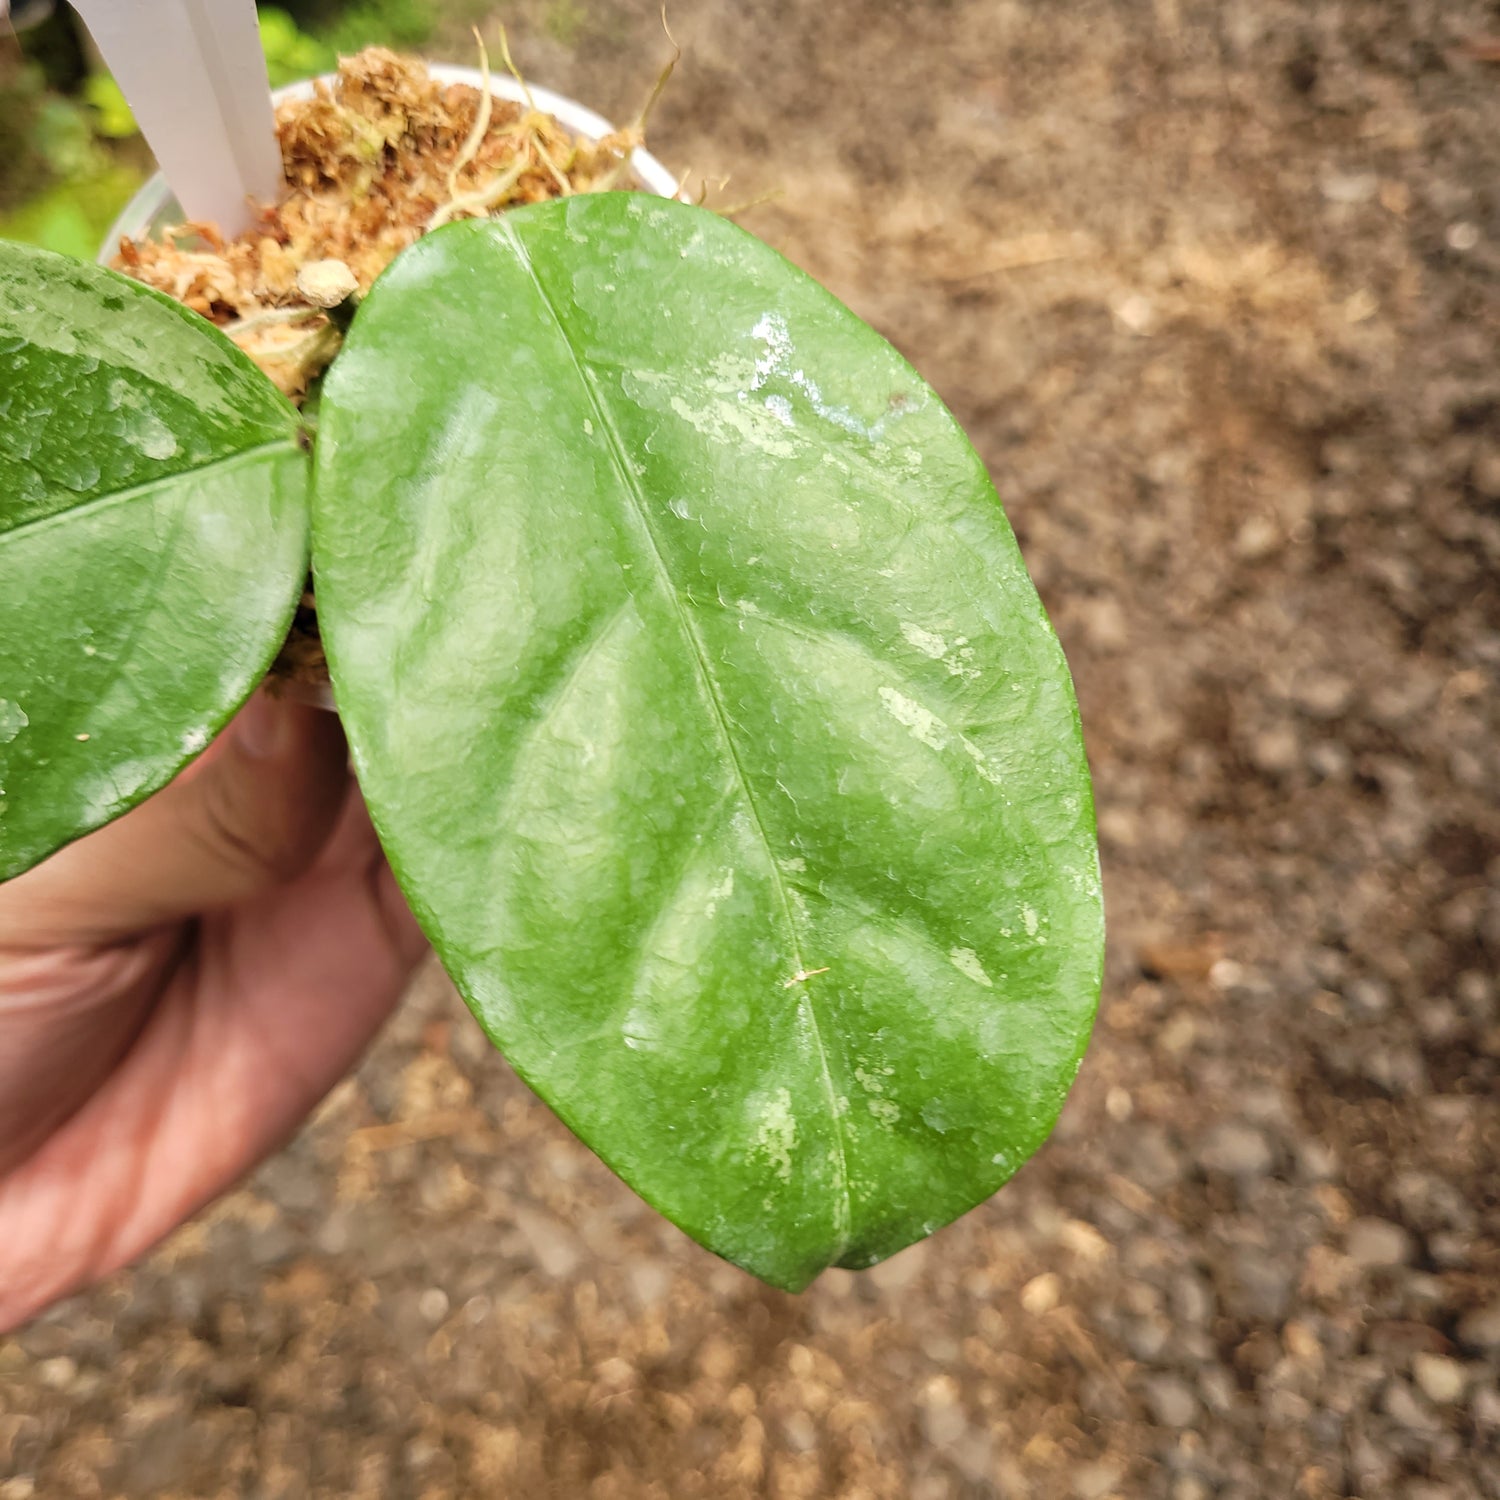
<point>153,538</point>
<point>711,723</point>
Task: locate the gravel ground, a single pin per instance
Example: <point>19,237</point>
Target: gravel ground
<point>1213,288</point>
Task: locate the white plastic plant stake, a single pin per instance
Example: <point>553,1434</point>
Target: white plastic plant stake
<point>194,75</point>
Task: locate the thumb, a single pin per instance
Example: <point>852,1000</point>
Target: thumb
<point>251,814</point>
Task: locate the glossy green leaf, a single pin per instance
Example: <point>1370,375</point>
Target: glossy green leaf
<point>153,542</point>
<point>711,722</point>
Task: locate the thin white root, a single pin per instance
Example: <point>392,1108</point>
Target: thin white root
<point>268,319</point>
<point>515,72</point>
<point>661,82</point>
<point>478,202</point>
<point>481,124</point>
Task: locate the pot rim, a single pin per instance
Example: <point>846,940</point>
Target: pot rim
<point>139,216</point>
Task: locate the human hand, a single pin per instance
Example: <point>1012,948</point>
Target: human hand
<point>177,992</point>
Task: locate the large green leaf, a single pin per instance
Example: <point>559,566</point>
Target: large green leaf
<point>711,722</point>
<point>153,541</point>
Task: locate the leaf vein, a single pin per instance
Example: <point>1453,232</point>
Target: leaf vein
<point>637,500</point>
<point>136,491</point>
<point>558,692</point>
<point>124,655</point>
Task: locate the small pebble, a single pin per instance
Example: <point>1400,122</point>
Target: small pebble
<point>801,1434</point>
<point>1263,1288</point>
<point>1302,1344</point>
<point>1146,1338</point>
<point>1192,1301</point>
<point>1323,695</point>
<point>1440,1380</point>
<point>615,1372</point>
<point>1485,473</point>
<point>1040,1295</point>
<point>1104,624</point>
<point>900,1271</point>
<point>1402,1405</point>
<point>1172,1404</point>
<point>1377,1242</point>
<point>1276,750</point>
<point>1423,1490</point>
<point>1450,1251</point>
<point>556,1248</point>
<point>433,1304</point>
<point>1480,1329</point>
<point>1329,760</point>
<point>1369,996</point>
<point>1484,1407</point>
<point>943,1420</point>
<point>1258,537</point>
<point>1136,313</point>
<point>1237,1151</point>
<point>1350,187</point>
<point>1094,1481</point>
<point>59,1373</point>
<point>1226,974</point>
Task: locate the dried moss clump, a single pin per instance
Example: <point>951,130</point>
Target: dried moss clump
<point>373,160</point>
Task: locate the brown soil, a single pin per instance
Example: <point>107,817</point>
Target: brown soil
<point>1213,288</point>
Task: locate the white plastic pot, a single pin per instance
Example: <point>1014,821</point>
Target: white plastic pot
<point>153,208</point>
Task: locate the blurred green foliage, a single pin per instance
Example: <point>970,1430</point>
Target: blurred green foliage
<point>290,52</point>
<point>73,216</point>
<point>389,23</point>
<point>70,153</point>
<point>113,119</point>
<point>61,184</point>
<point>347,25</point>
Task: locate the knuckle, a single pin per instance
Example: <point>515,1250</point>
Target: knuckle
<point>244,838</point>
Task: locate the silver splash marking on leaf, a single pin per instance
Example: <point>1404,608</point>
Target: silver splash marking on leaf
<point>966,961</point>
<point>922,722</point>
<point>12,720</point>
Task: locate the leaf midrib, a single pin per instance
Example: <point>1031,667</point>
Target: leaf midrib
<point>631,487</point>
<point>137,491</point>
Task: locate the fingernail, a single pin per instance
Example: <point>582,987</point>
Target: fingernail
<point>263,728</point>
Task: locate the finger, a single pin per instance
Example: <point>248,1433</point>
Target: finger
<point>276,1007</point>
<point>350,847</point>
<point>354,849</point>
<point>67,1017</point>
<point>254,815</point>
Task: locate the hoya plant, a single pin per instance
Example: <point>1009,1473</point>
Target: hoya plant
<point>690,670</point>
